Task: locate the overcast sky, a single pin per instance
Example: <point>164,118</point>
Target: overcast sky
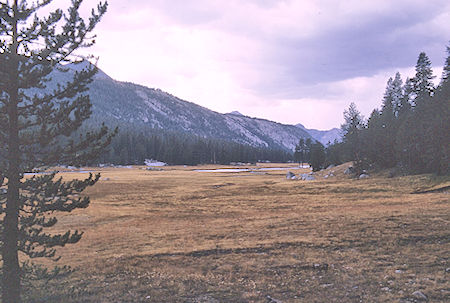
<point>289,61</point>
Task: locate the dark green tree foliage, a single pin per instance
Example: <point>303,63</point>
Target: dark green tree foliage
<point>436,126</point>
<point>375,143</point>
<point>411,142</point>
<point>35,130</point>
<point>392,100</point>
<point>423,86</point>
<point>318,156</point>
<point>405,102</point>
<point>298,154</point>
<point>381,132</point>
<point>134,145</point>
<point>412,129</point>
<point>302,153</point>
<point>335,153</point>
<point>352,130</point>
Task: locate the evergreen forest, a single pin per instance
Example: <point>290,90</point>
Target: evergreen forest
<point>132,145</point>
<point>409,134</point>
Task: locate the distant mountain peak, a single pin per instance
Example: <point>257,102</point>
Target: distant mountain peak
<point>130,105</point>
<point>236,113</point>
<point>323,136</point>
<point>86,64</point>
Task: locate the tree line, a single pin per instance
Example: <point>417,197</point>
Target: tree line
<point>134,145</point>
<point>410,132</point>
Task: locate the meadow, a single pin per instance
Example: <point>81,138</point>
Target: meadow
<point>178,235</point>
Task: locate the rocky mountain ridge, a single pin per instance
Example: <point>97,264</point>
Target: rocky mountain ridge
<point>128,104</point>
<point>323,136</point>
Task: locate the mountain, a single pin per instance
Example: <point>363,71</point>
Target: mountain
<point>236,113</point>
<point>131,105</point>
<point>323,136</point>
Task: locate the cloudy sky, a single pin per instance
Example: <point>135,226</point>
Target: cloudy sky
<point>291,61</point>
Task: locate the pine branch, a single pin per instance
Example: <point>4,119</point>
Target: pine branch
<point>65,91</point>
<point>36,129</point>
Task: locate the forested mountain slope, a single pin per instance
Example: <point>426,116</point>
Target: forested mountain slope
<point>128,104</point>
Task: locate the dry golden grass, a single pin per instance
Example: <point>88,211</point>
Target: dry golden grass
<point>183,236</point>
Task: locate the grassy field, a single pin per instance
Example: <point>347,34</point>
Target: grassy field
<point>179,235</point>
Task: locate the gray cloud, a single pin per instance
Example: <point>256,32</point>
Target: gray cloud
<point>344,45</point>
<point>361,48</point>
<point>263,52</point>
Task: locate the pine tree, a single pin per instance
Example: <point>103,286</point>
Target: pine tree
<point>387,108</point>
<point>446,72</point>
<point>404,146</point>
<point>334,153</point>
<point>307,151</point>
<point>422,140</point>
<point>36,121</point>
<point>352,136</point>
<point>383,128</point>
<point>404,106</point>
<point>376,146</point>
<point>300,150</point>
<point>410,138</point>
<point>423,86</point>
<point>318,156</point>
<point>436,143</point>
<point>396,94</point>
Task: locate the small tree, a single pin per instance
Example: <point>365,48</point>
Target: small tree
<point>300,150</point>
<point>307,150</point>
<point>318,156</point>
<point>37,118</point>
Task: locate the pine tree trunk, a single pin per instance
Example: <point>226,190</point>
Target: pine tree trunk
<point>11,269</point>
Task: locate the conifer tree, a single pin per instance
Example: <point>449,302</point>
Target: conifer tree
<point>417,114</point>
<point>307,152</point>
<point>300,150</point>
<point>334,153</point>
<point>36,121</point>
<point>387,108</point>
<point>446,72</point>
<point>412,139</point>
<point>318,156</point>
<point>352,136</point>
<point>383,129</point>
<point>404,106</point>
<point>396,93</point>
<point>423,86</point>
<point>376,146</point>
<point>436,124</point>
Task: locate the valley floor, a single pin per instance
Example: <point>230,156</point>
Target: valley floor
<point>178,235</point>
